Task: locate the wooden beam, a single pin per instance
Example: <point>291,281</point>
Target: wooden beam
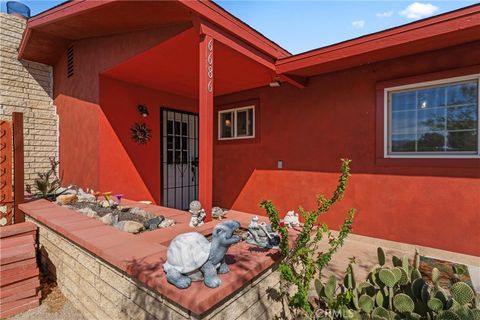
<point>236,44</point>
<point>299,82</point>
<point>205,108</point>
<point>18,165</point>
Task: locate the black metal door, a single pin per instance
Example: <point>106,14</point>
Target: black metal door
<point>179,145</point>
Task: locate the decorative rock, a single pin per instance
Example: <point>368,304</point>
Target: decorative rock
<point>153,223</point>
<point>166,223</point>
<point>85,197</point>
<point>65,191</point>
<point>107,219</point>
<point>88,212</point>
<point>3,221</point>
<point>66,199</point>
<point>129,226</point>
<point>107,203</point>
<point>141,213</point>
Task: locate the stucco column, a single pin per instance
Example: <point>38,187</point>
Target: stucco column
<point>205,101</point>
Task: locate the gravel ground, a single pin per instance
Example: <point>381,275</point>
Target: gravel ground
<point>53,306</point>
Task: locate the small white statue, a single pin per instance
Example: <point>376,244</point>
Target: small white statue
<point>291,219</point>
<point>218,213</point>
<point>198,214</point>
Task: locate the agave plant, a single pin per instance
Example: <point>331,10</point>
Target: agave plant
<point>47,184</point>
<point>399,292</point>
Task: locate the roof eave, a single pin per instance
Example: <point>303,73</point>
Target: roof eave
<point>456,21</point>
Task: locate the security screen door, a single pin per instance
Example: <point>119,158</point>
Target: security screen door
<point>179,158</point>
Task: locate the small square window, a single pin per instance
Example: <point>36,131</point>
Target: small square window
<point>437,119</point>
<point>236,123</point>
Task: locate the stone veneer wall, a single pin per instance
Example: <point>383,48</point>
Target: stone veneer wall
<point>100,291</point>
<point>26,87</point>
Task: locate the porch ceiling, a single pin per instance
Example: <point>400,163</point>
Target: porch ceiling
<point>173,66</point>
<point>50,32</point>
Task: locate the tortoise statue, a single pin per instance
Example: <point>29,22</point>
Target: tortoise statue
<point>191,257</point>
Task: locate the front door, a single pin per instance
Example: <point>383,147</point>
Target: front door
<point>179,158</point>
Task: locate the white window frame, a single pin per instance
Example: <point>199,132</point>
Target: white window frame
<point>234,124</point>
<point>418,86</point>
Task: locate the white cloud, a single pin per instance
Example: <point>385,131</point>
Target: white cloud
<point>418,10</point>
<point>358,24</point>
<point>385,14</point>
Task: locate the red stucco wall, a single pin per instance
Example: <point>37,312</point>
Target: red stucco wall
<point>91,152</point>
<point>434,204</point>
<point>431,203</point>
<point>119,101</point>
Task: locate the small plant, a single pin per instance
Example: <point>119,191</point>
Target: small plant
<point>399,292</point>
<point>47,184</point>
<point>302,261</point>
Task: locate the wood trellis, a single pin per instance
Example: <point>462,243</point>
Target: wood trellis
<point>6,192</point>
<point>11,159</point>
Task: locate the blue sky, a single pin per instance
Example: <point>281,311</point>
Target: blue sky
<point>300,26</point>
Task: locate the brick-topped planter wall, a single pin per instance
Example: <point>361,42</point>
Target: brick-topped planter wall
<point>102,290</point>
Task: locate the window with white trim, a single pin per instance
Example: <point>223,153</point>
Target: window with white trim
<point>434,119</point>
<point>238,123</point>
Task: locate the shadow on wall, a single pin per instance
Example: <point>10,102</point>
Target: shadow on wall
<point>42,74</point>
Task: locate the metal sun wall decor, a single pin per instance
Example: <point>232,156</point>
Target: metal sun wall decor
<point>141,133</point>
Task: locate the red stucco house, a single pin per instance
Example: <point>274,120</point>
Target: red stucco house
<point>235,119</point>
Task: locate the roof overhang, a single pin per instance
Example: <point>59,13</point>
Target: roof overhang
<point>48,33</point>
<point>453,28</point>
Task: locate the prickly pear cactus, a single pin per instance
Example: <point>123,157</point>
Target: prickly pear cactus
<point>403,303</point>
<point>448,315</point>
<point>435,276</point>
<point>399,293</point>
<point>381,256</point>
<point>435,305</point>
<point>366,303</point>
<point>381,313</point>
<point>387,277</point>
<point>462,293</point>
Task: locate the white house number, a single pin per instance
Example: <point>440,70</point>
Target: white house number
<point>210,65</point>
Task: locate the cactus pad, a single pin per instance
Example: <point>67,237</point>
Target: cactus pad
<point>462,293</point>
<point>396,261</point>
<point>381,256</point>
<point>381,312</point>
<point>441,295</point>
<point>366,303</point>
<point>435,275</point>
<point>397,272</point>
<point>476,314</point>
<point>387,277</point>
<point>435,304</point>
<point>448,315</point>
<point>379,299</point>
<point>425,293</point>
<point>403,303</point>
<point>330,287</point>
<point>417,286</point>
<point>415,274</point>
<point>404,280</point>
